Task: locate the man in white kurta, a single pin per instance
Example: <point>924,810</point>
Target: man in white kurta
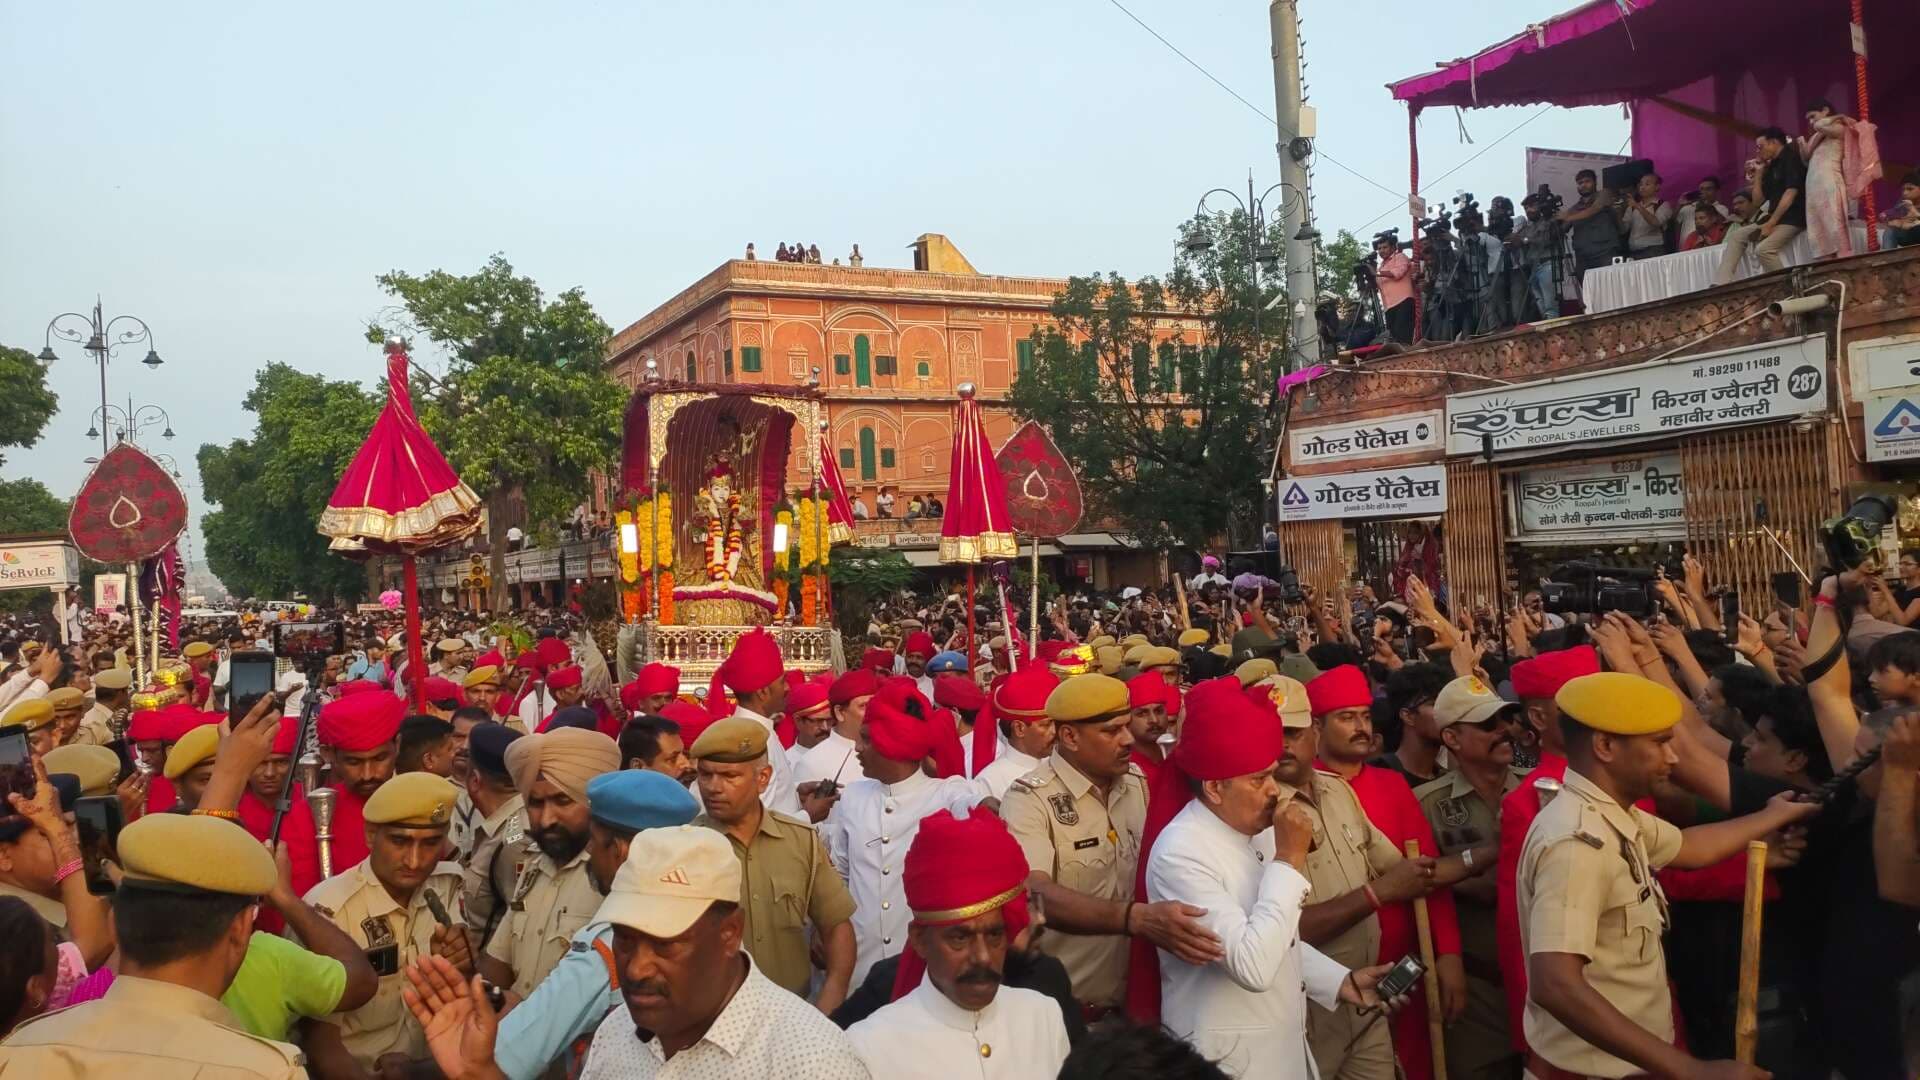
<point>753,672</point>
<point>1236,852</point>
<point>873,824</point>
<point>833,758</point>
<point>965,880</point>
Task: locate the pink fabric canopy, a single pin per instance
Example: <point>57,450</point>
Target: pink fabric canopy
<point>1755,61</point>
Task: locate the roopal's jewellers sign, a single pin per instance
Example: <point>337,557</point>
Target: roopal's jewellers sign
<point>1739,386</point>
<point>1641,496</point>
<point>1416,491</point>
<point>1391,435</point>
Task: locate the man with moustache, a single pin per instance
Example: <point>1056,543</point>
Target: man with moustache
<point>459,761</point>
<point>554,897</point>
<point>111,690</point>
<point>951,1015</point>
<point>696,1003</point>
<point>1153,704</point>
<point>918,649</point>
<point>651,689</point>
<point>1463,807</point>
<point>381,903</point>
<point>585,986</point>
<point>809,716</point>
<point>498,833</point>
<point>1021,731</point>
<point>357,736</point>
<point>1248,1009</point>
<point>835,757</point>
<point>658,743</point>
<point>752,671</point>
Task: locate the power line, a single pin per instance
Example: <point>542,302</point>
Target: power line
<point>1257,110</point>
<point>1470,160</point>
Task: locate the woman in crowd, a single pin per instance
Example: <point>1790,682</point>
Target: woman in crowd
<point>1824,150</point>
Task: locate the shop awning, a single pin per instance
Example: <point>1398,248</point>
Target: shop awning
<point>1097,540</point>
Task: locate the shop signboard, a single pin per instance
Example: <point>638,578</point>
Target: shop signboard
<point>39,564</point>
<point>1642,497</point>
<point>1405,434</point>
<point>109,592</point>
<point>1415,491</point>
<point>1769,381</point>
<point>1892,423</point>
<point>1891,363</point>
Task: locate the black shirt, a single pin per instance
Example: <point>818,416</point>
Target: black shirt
<point>1034,971</point>
<point>1786,171</point>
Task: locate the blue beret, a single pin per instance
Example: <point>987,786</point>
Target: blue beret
<point>640,799</point>
<point>487,747</point>
<point>575,716</point>
<point>947,661</point>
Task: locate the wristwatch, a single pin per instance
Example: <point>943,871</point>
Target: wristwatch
<point>1466,858</point>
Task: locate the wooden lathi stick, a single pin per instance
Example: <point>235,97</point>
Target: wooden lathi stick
<point>1746,1019</point>
<point>1436,1023</point>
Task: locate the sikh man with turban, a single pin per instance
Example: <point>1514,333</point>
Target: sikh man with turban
<point>874,822</point>
<point>555,896</point>
<point>965,883</point>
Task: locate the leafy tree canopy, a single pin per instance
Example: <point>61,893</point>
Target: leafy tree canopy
<point>1334,264</point>
<point>271,488</point>
<point>28,404</point>
<point>1168,425</point>
<point>27,506</point>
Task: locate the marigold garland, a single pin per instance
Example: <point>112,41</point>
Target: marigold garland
<point>665,603</point>
<point>809,601</point>
<point>780,597</point>
<point>655,549</point>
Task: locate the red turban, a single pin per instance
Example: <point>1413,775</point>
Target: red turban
<point>529,661</point>
<point>805,698</point>
<point>958,692</point>
<point>436,689</point>
<point>361,722</point>
<point>180,718</point>
<point>490,658</point>
<point>1019,696</point>
<point>283,740</point>
<point>1544,675</point>
<point>949,759</point>
<point>919,642</point>
<point>558,679</point>
<point>690,718</point>
<point>358,686</point>
<point>858,683</point>
<point>958,869</point>
<point>146,725</point>
<point>1344,687</point>
<point>898,734</point>
<point>652,679</point>
<point>1051,650</point>
<point>552,651</point>
<point>878,660</point>
<point>1226,734</point>
<point>754,663</point>
<point>1150,688</point>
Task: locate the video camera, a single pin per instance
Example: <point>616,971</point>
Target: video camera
<point>1549,203</point>
<point>1851,539</point>
<point>1582,588</point>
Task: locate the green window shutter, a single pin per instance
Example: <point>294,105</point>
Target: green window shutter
<point>862,361</point>
<point>1142,367</point>
<point>1166,368</point>
<point>886,458</point>
<point>923,369</point>
<point>846,457</point>
<point>886,365</point>
<point>1023,353</point>
<point>693,369</point>
<point>750,358</point>
<point>726,362</point>
<point>867,467</point>
<point>841,365</point>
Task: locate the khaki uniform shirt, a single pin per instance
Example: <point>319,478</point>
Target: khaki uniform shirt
<point>787,881</point>
<point>1348,851</point>
<point>95,728</point>
<point>1585,886</point>
<point>358,904</point>
<point>490,872</point>
<point>51,910</point>
<point>549,904</point>
<point>145,1029</point>
<point>1461,819</point>
<point>1088,846</point>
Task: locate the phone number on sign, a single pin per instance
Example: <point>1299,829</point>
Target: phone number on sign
<point>1734,367</point>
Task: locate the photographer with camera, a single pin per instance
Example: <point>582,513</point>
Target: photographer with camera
<point>1644,218</point>
<point>1534,247</point>
<point>1393,274</point>
<point>1596,233</point>
<point>1480,254</point>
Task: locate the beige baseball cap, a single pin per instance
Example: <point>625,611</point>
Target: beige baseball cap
<point>1467,700</point>
<point>1290,699</point>
<point>670,878</point>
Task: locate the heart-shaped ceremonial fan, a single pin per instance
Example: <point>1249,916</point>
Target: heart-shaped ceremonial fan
<point>129,509</point>
<point>1043,494</point>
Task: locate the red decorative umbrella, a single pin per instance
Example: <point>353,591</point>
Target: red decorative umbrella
<point>839,507</point>
<point>400,496</point>
<point>976,526</point>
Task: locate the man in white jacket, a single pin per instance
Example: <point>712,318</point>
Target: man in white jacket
<point>1238,852</point>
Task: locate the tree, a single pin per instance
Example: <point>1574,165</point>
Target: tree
<point>27,506</point>
<point>1335,263</point>
<point>862,577</point>
<point>1170,429</point>
<point>270,489</point>
<point>28,404</point>
<point>527,409</point>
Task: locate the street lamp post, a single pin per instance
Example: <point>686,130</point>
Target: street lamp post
<point>1261,252</point>
<point>127,422</point>
<point>100,338</point>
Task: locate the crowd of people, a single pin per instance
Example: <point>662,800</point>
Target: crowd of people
<point>1190,832</point>
<point>1479,273</point>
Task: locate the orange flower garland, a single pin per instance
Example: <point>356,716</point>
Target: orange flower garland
<point>809,601</point>
<point>666,596</point>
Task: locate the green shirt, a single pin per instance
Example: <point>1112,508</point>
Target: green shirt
<point>279,982</point>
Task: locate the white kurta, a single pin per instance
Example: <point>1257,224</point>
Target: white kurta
<point>535,707</point>
<point>779,794</point>
<point>867,835</point>
<point>1008,765</point>
<point>831,757</point>
<point>1247,1011</point>
<point>1018,1036</point>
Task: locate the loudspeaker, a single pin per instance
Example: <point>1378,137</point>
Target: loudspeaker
<point>1626,174</point>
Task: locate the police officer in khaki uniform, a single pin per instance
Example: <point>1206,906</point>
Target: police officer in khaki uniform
<point>110,692</point>
<point>554,897</point>
<point>1591,912</point>
<point>35,717</point>
<point>1079,817</point>
<point>498,831</point>
<point>69,705</point>
<point>1463,806</point>
<point>183,916</point>
<point>788,881</point>
<point>383,905</point>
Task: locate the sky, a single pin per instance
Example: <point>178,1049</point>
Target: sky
<point>237,174</point>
